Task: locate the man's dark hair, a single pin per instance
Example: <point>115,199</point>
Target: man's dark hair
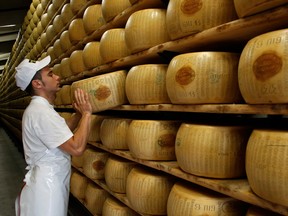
<point>29,88</point>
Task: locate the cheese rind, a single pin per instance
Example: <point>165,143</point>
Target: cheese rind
<point>105,91</point>
<point>266,156</point>
<point>203,77</point>
<point>262,68</point>
<point>146,84</point>
<point>152,139</point>
<point>212,151</point>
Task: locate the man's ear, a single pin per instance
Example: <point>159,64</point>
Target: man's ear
<point>36,84</point>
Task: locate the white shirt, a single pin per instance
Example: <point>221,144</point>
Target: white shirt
<point>46,192</point>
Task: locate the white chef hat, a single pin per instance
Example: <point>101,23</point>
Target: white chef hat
<point>26,70</point>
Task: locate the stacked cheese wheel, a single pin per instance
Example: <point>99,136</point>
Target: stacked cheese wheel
<point>147,191</point>
<point>203,77</point>
<point>94,163</point>
<point>116,172</point>
<point>113,133</point>
<point>262,69</point>
<point>78,185</point>
<point>146,84</point>
<point>186,199</point>
<point>247,8</point>
<point>105,91</point>
<point>266,160</point>
<point>188,17</point>
<point>94,135</point>
<point>136,35</point>
<point>152,139</point>
<point>113,207</point>
<point>95,197</point>
<point>212,151</point>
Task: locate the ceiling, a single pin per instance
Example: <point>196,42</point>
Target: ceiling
<point>12,13</point>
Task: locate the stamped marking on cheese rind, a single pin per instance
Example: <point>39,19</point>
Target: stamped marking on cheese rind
<point>267,65</point>
<point>185,75</point>
<point>98,165</point>
<point>190,7</point>
<point>167,140</point>
<point>102,93</point>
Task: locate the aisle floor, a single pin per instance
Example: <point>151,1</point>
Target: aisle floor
<point>12,172</point>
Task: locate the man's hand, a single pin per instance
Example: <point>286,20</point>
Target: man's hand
<point>82,103</point>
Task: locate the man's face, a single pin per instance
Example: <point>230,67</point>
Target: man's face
<point>51,82</point>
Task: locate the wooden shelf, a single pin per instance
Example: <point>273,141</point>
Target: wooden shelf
<point>236,188</point>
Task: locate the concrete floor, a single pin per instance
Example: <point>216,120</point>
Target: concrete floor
<point>12,172</point>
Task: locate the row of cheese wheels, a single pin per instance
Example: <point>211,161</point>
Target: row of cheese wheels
<point>181,18</point>
<point>197,78</point>
<point>150,192</point>
<point>97,200</point>
<point>212,151</point>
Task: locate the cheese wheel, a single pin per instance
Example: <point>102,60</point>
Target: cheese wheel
<point>146,84</point>
<point>76,31</point>
<point>32,8</point>
<point>39,10</point>
<point>35,3</point>
<point>77,5</point>
<point>66,13</point>
<point>76,62</point>
<point>78,185</point>
<point>94,135</point>
<point>77,161</point>
<point>50,52</point>
<point>152,139</point>
<point>246,8</point>
<point>95,197</point>
<point>44,20</point>
<point>93,18</point>
<point>57,3</point>
<point>117,139</point>
<point>35,19</point>
<point>94,163</point>
<point>57,48</point>
<point>91,55</point>
<point>111,8</point>
<point>65,68</point>
<point>51,11</point>
<point>188,199</point>
<point>105,91</point>
<point>43,39</point>
<point>257,211</point>
<point>44,3</point>
<point>203,77</point>
<point>66,94</point>
<point>57,69</point>
<point>39,28</point>
<point>50,32</point>
<point>186,17</point>
<point>65,41</point>
<point>65,115</point>
<point>39,47</point>
<point>35,34</point>
<point>266,157</point>
<point>136,35</point>
<point>116,172</point>
<point>147,191</point>
<point>262,69</point>
<point>58,24</point>
<point>212,151</point>
<point>113,207</point>
<point>112,45</point>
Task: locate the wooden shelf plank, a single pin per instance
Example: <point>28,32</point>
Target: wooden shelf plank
<point>236,188</point>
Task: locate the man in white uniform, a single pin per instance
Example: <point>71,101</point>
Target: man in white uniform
<point>48,141</point>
